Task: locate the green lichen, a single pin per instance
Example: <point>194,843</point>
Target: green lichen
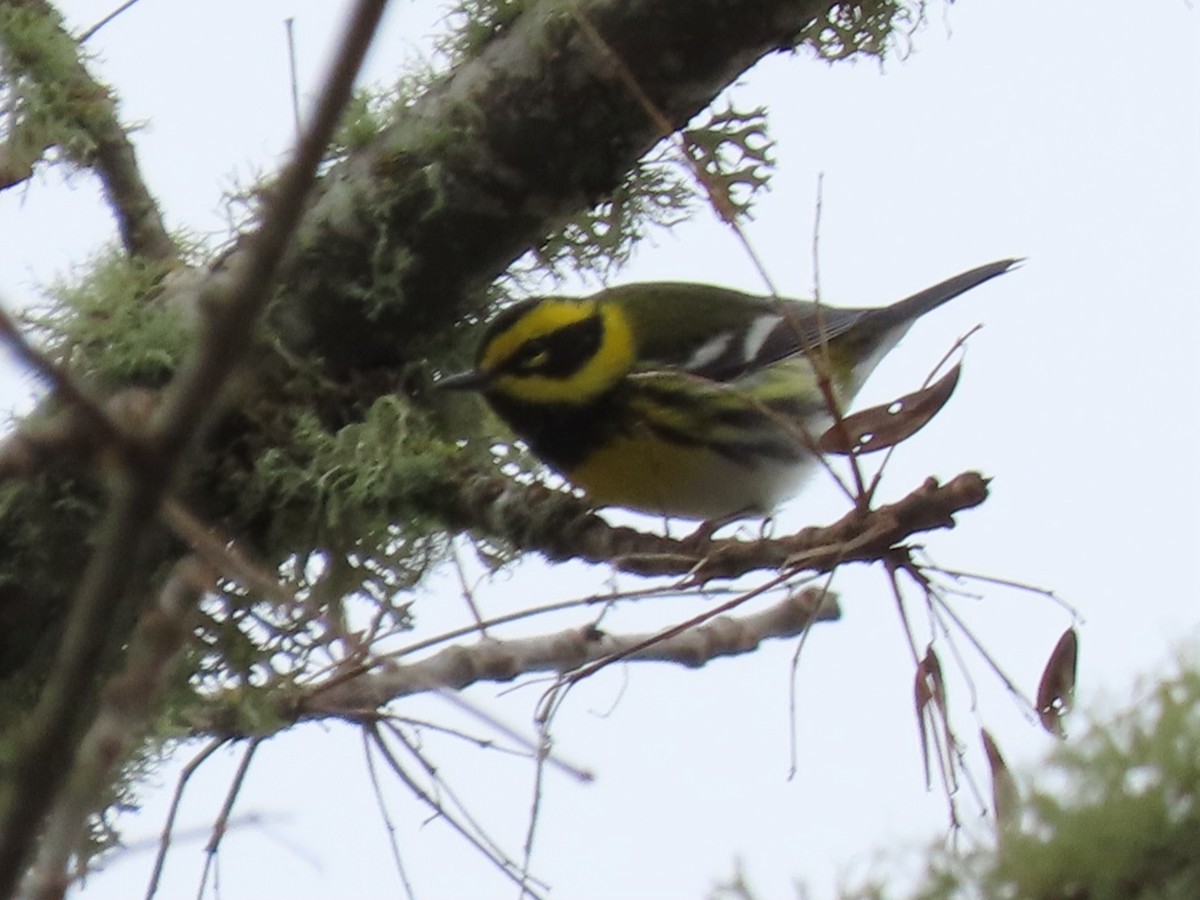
<point>44,103</point>
<point>731,152</point>
<point>373,108</point>
<point>473,24</point>
<point>352,483</point>
<point>730,166</point>
<point>870,28</point>
<point>107,325</point>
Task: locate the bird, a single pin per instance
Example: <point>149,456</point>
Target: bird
<point>684,399</point>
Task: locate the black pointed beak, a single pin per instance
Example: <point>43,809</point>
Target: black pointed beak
<point>464,381</point>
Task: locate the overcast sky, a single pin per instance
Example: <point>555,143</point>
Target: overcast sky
<point>1064,132</point>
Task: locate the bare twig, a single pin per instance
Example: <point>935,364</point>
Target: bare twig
<point>221,824</point>
<point>87,413</point>
<point>388,825</point>
<point>164,841</point>
<point>460,821</point>
<point>459,702</point>
<point>717,200</point>
<point>91,32</point>
<point>239,297</point>
<point>827,596</point>
<point>535,807</point>
<point>289,25</point>
<point>223,556</point>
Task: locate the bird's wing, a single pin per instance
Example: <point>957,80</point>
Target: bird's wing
<point>790,328</point>
<point>721,334</point>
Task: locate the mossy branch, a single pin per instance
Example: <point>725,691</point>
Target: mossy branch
<point>57,103</point>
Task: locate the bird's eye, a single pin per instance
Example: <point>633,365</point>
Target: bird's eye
<point>532,356</point>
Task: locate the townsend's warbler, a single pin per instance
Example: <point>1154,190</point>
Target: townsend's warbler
<point>685,399</point>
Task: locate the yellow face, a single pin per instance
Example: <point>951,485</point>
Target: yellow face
<point>558,351</point>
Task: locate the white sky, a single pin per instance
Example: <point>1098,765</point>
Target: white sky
<point>1065,132</point>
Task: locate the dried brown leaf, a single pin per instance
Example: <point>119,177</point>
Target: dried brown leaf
<point>928,687</point>
<point>884,426</point>
<point>1056,690</point>
<point>1005,797</point>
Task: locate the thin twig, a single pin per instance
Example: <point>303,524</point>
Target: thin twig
<point>819,207</point>
<point>1011,686</point>
<point>224,556</point>
<point>666,129</point>
<point>289,25</point>
<point>91,32</point>
<point>1009,583</point>
<point>388,825</point>
<point>826,596</point>
<point>221,824</point>
<point>466,828</point>
<point>467,593</point>
<point>535,808</point>
<point>64,388</point>
<point>194,393</point>
<point>164,840</point>
<point>461,703</point>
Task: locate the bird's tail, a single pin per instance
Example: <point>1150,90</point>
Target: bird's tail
<point>911,308</point>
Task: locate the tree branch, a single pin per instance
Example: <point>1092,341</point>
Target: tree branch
<point>91,110</point>
<point>481,168</point>
<point>561,527</point>
<point>459,666</point>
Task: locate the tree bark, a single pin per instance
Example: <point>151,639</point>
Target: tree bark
<point>540,125</point>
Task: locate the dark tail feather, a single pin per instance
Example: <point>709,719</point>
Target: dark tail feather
<point>922,302</point>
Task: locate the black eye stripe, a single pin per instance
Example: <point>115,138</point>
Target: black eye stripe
<point>560,353</point>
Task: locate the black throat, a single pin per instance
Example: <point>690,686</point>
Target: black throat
<point>564,434</point>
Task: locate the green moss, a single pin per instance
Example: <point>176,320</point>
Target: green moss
<point>44,99</point>
<point>867,28</point>
<point>373,108</point>
<point>472,24</point>
<point>45,533</point>
<point>353,483</point>
<point>107,325</point>
<point>732,150</point>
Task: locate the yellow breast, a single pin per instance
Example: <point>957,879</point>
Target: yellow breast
<point>641,471</point>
